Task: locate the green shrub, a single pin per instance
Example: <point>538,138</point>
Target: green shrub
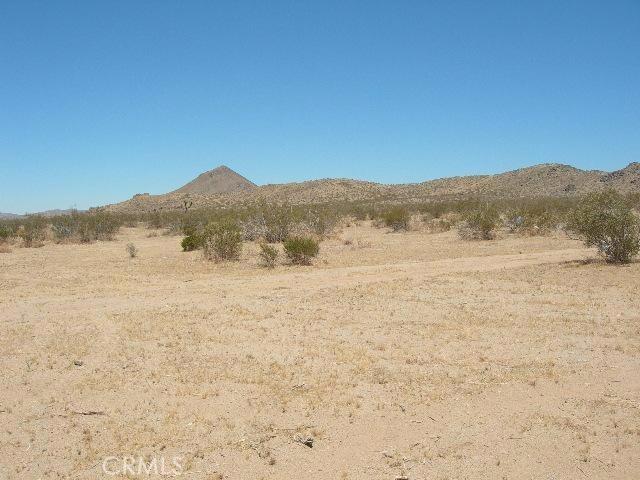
<point>33,231</point>
<point>603,220</point>
<point>479,223</point>
<point>222,241</point>
<point>189,225</point>
<point>192,242</point>
<point>268,255</point>
<point>531,220</point>
<point>105,226</point>
<point>397,219</point>
<point>300,250</point>
<point>6,232</point>
<point>95,226</point>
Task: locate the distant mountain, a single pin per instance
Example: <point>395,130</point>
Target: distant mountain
<point>222,187</point>
<point>219,180</point>
<point>47,213</point>
<point>56,212</point>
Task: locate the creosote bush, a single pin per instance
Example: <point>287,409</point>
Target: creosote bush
<point>268,255</point>
<point>33,231</point>
<point>222,241</point>
<point>397,219</point>
<point>301,250</point>
<point>531,220</point>
<point>6,232</point>
<point>85,227</point>
<point>437,225</point>
<point>192,242</point>
<point>277,222</point>
<point>604,220</point>
<point>479,223</point>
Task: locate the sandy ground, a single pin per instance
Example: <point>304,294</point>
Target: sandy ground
<point>399,355</point>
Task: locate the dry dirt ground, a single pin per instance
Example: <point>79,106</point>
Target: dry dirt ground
<point>400,355</point>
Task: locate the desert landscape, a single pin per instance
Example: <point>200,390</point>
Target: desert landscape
<point>319,240</point>
<point>396,355</point>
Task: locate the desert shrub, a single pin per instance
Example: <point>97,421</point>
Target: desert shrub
<point>277,222</point>
<point>105,226</point>
<point>156,220</point>
<point>269,222</point>
<point>86,227</point>
<point>222,240</point>
<point>396,218</point>
<point>436,225</point>
<point>362,212</point>
<point>268,255</point>
<point>192,242</point>
<point>189,225</point>
<point>321,223</point>
<point>253,227</point>
<point>95,226</point>
<point>480,222</point>
<point>132,250</point>
<point>301,250</point>
<point>33,231</point>
<point>603,220</point>
<point>531,220</point>
<point>6,232</point>
<point>172,229</point>
<point>514,220</point>
<point>63,228</point>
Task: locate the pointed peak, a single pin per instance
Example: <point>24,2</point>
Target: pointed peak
<point>221,179</point>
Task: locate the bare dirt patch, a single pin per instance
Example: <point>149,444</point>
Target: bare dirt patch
<point>394,355</point>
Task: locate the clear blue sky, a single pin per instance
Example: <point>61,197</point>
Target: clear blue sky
<point>100,100</point>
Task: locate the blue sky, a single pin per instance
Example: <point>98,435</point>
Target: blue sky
<point>100,100</point>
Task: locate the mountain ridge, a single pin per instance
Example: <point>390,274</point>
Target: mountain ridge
<point>548,179</point>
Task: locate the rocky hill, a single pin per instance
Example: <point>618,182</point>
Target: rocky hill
<point>223,187</point>
<point>219,180</point>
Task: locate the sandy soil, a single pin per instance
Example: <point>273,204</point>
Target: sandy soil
<point>399,355</point>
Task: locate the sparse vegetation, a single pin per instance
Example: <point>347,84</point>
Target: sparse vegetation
<point>6,232</point>
<point>301,250</point>
<point>222,241</point>
<point>85,228</point>
<point>32,231</point>
<point>531,219</point>
<point>192,242</point>
<point>480,222</point>
<point>268,255</point>
<point>436,225</point>
<point>605,221</point>
<point>277,222</point>
<point>322,223</point>
<point>397,219</point>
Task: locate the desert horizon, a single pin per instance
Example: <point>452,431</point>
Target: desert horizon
<point>222,180</point>
<point>321,240</point>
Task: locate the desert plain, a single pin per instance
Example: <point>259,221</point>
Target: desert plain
<point>396,355</point>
